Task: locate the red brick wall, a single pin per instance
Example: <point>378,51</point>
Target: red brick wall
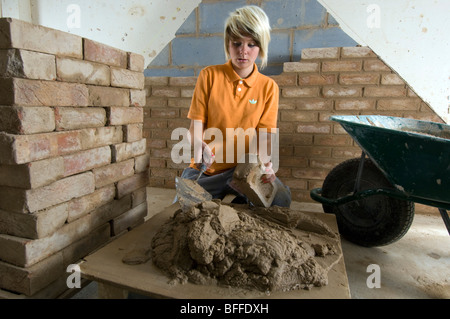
<point>326,81</point>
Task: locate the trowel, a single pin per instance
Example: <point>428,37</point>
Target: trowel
<point>189,192</point>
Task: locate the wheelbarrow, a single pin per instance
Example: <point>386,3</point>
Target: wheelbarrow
<point>403,161</point>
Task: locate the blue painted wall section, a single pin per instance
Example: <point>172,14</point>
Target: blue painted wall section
<point>296,25</point>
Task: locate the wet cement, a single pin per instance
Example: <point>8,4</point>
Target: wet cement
<point>267,249</point>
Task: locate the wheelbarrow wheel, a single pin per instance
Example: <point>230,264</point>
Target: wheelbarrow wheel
<point>373,221</point>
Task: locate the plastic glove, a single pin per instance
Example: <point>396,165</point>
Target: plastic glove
<point>268,173</point>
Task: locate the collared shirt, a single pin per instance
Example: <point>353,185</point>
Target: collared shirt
<point>223,100</point>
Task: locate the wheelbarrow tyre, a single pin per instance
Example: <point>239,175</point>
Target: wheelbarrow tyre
<point>373,221</point>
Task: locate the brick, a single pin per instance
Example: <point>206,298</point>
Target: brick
<point>315,104</point>
<point>141,163</point>
<point>285,79</point>
<point>113,173</point>
<point>317,79</point>
<point>125,115</point>
<point>338,66</point>
<point>316,151</point>
<point>101,136</point>
<point>30,280</point>
<point>385,91</point>
<point>26,120</point>
<point>391,79</point>
<point>156,81</point>
<point>298,116</point>
<point>130,219</point>
<point>33,226</point>
<point>179,103</point>
<point>300,92</point>
<point>330,92</point>
<point>357,52</point>
<point>27,64</point>
<point>20,149</point>
<point>363,78</point>
<point>25,253</point>
<point>132,183</point>
<point>79,207</point>
<point>86,160</point>
<point>137,98</point>
<point>407,104</point>
<point>183,81</point>
<point>111,210</point>
<point>29,201</point>
<point>23,35</point>
<point>301,66</point>
<point>165,92</point>
<point>24,92</point>
<point>375,65</point>
<point>71,70</point>
<point>320,53</point>
<point>139,196</point>
<point>314,129</point>
<point>108,96</point>
<point>102,53</point>
<point>132,132</point>
<point>136,62</point>
<point>124,151</point>
<point>332,140</point>
<point>354,104</point>
<point>32,175</point>
<point>310,173</point>
<point>290,161</point>
<point>127,79</point>
<point>78,118</point>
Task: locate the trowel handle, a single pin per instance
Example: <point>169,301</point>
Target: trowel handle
<point>202,170</point>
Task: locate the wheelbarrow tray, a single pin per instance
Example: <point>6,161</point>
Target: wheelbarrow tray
<point>414,155</point>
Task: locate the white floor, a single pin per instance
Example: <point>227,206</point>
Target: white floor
<point>416,266</point>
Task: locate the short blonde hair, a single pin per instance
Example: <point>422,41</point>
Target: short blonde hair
<point>249,21</point>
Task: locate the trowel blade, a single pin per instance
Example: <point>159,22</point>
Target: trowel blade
<point>190,193</point>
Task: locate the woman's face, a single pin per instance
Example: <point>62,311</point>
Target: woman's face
<point>243,53</point>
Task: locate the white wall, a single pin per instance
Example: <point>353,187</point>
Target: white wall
<point>139,26</point>
<point>411,36</point>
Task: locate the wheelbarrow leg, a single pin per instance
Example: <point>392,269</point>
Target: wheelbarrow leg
<point>359,173</point>
<point>446,219</point>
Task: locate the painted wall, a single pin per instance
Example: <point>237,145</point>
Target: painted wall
<point>296,24</point>
<point>139,26</point>
<point>410,36</point>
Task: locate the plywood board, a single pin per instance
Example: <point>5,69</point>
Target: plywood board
<point>106,266</point>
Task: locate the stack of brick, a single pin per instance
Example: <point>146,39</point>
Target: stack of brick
<point>73,162</point>
<point>327,81</point>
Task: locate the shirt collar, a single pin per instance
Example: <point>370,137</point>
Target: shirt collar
<point>232,76</point>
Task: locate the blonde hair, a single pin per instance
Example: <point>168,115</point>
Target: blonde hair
<point>249,21</point>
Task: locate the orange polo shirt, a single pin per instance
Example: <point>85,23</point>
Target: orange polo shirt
<point>223,100</point>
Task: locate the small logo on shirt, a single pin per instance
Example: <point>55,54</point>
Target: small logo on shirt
<point>253,101</point>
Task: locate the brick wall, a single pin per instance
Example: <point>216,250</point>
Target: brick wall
<point>326,81</point>
<point>73,168</point>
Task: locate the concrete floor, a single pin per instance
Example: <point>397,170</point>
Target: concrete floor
<point>416,266</point>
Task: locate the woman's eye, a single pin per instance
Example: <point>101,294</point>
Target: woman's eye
<point>252,45</point>
<point>237,44</point>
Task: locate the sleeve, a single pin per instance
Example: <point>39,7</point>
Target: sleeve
<point>199,103</point>
<point>269,116</point>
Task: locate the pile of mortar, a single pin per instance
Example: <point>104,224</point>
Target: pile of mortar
<point>238,246</point>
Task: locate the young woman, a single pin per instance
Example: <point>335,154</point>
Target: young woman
<point>235,97</point>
